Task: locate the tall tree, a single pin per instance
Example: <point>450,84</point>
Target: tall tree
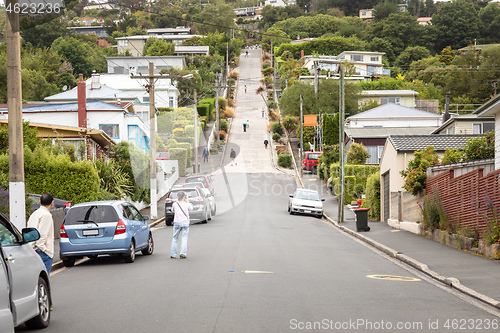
<point>490,23</point>
<point>215,18</point>
<point>384,9</point>
<point>456,24</point>
<point>158,47</point>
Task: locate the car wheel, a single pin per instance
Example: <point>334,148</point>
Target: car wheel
<point>42,320</point>
<point>210,214</point>
<point>151,246</point>
<point>130,255</point>
<point>314,170</point>
<point>69,261</point>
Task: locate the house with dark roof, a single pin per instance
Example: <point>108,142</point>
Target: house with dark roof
<point>396,204</point>
<point>491,109</point>
<point>373,127</point>
<point>466,124</point>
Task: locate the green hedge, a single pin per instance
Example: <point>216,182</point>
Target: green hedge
<point>188,147</point>
<point>285,160</point>
<point>179,154</point>
<point>373,196</point>
<point>204,110</point>
<point>355,179</point>
<point>76,181</point>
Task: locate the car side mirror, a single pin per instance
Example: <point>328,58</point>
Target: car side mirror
<point>322,199</point>
<point>291,195</point>
<point>30,234</point>
<point>145,218</point>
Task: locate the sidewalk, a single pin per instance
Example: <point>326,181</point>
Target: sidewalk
<point>466,272</point>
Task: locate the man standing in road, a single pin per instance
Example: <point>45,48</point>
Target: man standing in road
<point>41,219</point>
<point>233,156</point>
<point>181,210</point>
<point>205,154</point>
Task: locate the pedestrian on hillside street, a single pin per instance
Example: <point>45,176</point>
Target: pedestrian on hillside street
<point>262,112</point>
<point>244,127</point>
<point>248,123</point>
<point>245,88</point>
<point>41,219</point>
<point>205,154</point>
<point>181,210</point>
<point>266,143</point>
<point>233,156</point>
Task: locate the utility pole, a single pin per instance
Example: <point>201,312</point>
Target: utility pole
<point>341,148</point>
<point>152,136</point>
<point>301,136</point>
<point>227,60</point>
<point>17,210</point>
<point>217,109</point>
<point>274,70</point>
<point>196,131</point>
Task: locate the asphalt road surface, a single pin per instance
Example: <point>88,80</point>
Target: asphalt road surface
<point>255,268</point>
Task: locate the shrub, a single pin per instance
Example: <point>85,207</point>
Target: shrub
<point>430,212</point>
<point>204,110</point>
<point>233,74</point>
<point>178,124</point>
<point>223,125</point>
<point>330,155</point>
<point>452,155</point>
<point>353,187</point>
<point>357,154</point>
<point>285,160</point>
<point>355,179</point>
<point>265,65</point>
<point>114,180</point>
<point>179,154</point>
<point>277,128</point>
<point>272,105</point>
<point>276,136</point>
<point>480,148</point>
<point>178,132</point>
<point>372,196</point>
<point>222,135</point>
<point>228,113</point>
<point>415,173</point>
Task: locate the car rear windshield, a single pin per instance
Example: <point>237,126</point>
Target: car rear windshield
<point>95,213</point>
<point>196,179</point>
<point>314,157</point>
<point>190,193</point>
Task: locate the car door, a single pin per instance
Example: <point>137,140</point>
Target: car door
<point>141,227</point>
<point>6,318</point>
<point>23,269</point>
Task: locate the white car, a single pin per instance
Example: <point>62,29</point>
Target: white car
<point>211,199</point>
<point>306,202</point>
<point>24,283</point>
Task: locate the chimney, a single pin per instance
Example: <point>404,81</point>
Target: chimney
<point>82,102</point>
<point>95,81</point>
<point>301,54</point>
<point>446,115</point>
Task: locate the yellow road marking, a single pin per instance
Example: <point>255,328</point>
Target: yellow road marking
<point>393,278</point>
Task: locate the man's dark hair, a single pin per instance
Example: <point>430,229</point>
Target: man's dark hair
<point>46,199</point>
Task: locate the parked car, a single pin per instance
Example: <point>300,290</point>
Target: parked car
<point>211,200</point>
<point>310,161</point>
<point>205,179</point>
<point>306,202</point>
<point>24,283</point>
<point>104,227</point>
<point>193,184</point>
<point>58,202</point>
<point>201,206</point>
<point>162,155</point>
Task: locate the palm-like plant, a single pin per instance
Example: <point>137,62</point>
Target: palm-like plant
<point>114,181</point>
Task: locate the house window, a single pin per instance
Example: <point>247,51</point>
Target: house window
<point>395,100</point>
<point>374,58</point>
<point>356,57</point>
<point>110,129</point>
<point>450,130</point>
<point>364,13</point>
<point>170,102</point>
<point>123,42</point>
<point>481,128</point>
<point>145,99</point>
<point>118,70</point>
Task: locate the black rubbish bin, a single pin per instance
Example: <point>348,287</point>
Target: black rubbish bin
<point>362,219</point>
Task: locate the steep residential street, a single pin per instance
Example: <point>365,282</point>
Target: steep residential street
<point>256,268</point>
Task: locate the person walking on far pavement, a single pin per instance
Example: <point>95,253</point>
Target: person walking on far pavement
<point>266,143</point>
<point>248,123</point>
<point>244,127</point>
<point>181,210</point>
<point>245,88</point>
<point>233,156</point>
<point>41,219</point>
<point>262,112</point>
<point>205,154</point>
<point>246,53</point>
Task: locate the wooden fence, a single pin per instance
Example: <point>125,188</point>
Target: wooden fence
<point>469,200</point>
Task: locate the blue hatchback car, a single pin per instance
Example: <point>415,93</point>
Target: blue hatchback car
<point>104,227</point>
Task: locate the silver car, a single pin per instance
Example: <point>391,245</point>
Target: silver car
<point>211,199</point>
<point>306,202</point>
<point>24,283</point>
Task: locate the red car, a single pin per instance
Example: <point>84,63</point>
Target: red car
<point>310,161</point>
<point>163,155</point>
<point>205,179</point>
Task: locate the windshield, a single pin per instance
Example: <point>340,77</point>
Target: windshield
<point>190,193</point>
<point>306,195</point>
<point>94,213</point>
<point>196,179</point>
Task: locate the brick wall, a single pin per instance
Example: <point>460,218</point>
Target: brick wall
<point>468,200</point>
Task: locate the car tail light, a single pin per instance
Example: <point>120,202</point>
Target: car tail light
<point>198,199</point>
<point>121,228</point>
<point>62,232</point>
<point>168,200</point>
